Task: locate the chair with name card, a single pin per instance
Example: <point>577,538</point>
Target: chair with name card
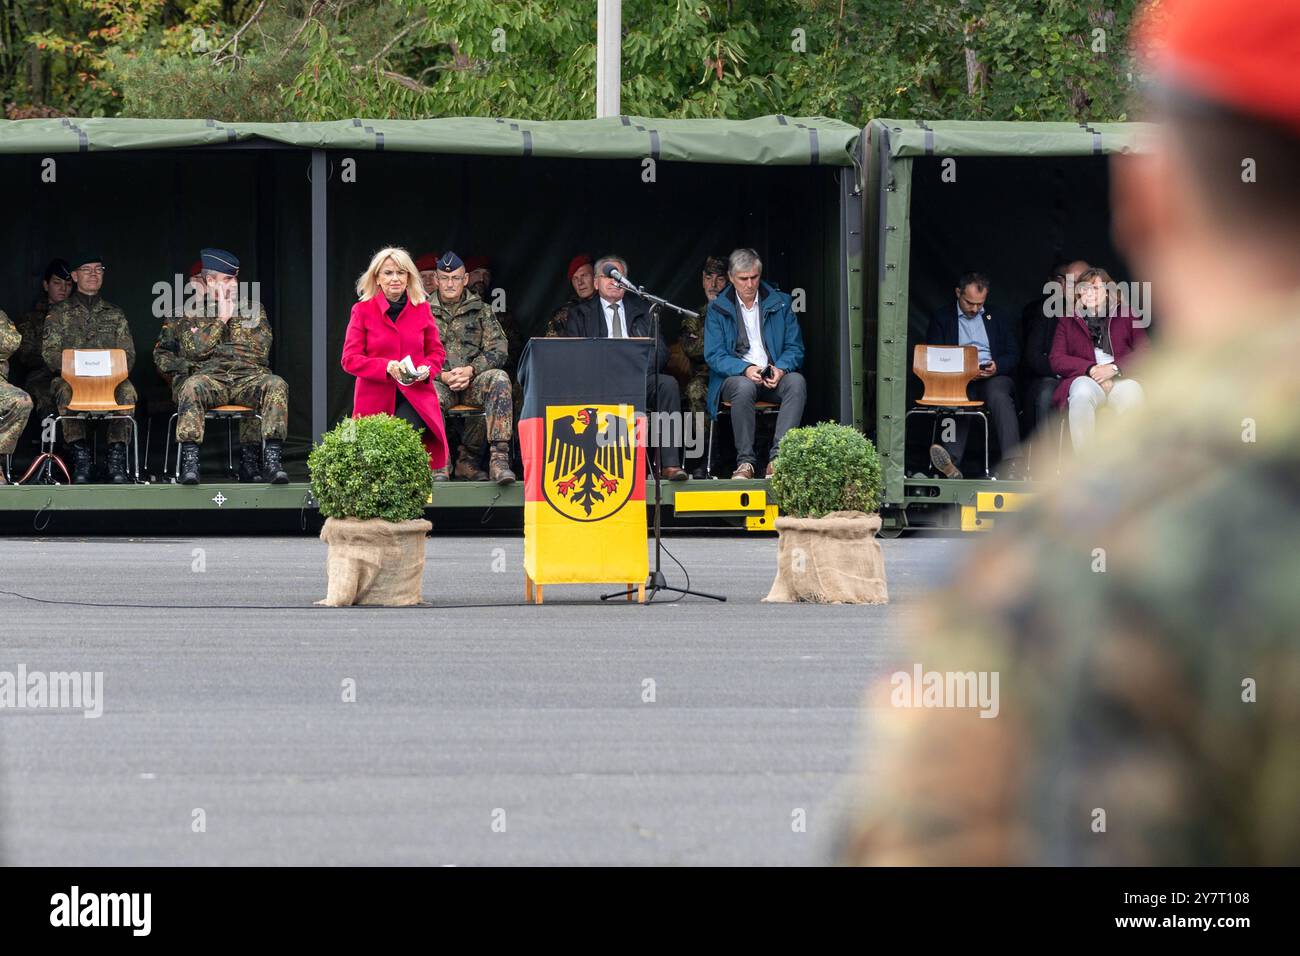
<point>94,375</point>
<point>946,371</point>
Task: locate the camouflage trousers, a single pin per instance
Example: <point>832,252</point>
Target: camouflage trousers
<point>697,390</point>
<point>15,406</point>
<point>75,429</point>
<point>491,391</point>
<point>265,393</point>
<point>250,429</point>
<point>38,385</point>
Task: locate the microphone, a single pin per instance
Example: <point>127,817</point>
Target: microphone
<point>611,272</point>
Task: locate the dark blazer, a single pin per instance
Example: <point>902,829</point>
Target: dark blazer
<point>587,320</point>
<point>1002,340</point>
<point>1039,331</point>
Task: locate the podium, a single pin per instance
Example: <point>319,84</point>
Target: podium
<point>582,435</point>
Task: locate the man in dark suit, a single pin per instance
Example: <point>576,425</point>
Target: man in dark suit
<point>965,322</point>
<point>610,313</point>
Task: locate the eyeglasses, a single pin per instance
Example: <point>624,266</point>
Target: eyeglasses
<point>93,270</point>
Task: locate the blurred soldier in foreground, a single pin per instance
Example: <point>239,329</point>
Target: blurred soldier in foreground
<point>15,404</point>
<point>227,350</point>
<point>85,321</point>
<point>1143,616</point>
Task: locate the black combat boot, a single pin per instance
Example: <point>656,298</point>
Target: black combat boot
<point>117,463</point>
<point>499,463</point>
<point>273,466</point>
<point>467,468</point>
<point>189,463</point>
<point>80,462</point>
<point>250,462</point>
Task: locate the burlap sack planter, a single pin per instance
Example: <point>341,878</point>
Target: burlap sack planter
<point>831,560</point>
<point>374,561</point>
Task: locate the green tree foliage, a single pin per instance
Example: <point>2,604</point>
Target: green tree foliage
<point>823,468</point>
<point>371,467</point>
<point>535,59</point>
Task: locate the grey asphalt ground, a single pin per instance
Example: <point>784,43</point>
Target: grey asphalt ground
<point>528,716</point>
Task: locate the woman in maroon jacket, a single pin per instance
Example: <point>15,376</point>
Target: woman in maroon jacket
<point>1094,346</point>
<point>393,321</point>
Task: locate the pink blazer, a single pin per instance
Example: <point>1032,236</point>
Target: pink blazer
<point>373,340</point>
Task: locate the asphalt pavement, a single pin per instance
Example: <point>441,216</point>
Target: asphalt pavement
<point>495,733</point>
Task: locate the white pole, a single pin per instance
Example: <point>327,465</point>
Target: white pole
<point>609,55</point>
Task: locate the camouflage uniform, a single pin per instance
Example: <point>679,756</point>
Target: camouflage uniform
<point>229,364</point>
<point>36,377</point>
<point>174,370</point>
<point>15,404</point>
<point>72,324</point>
<point>555,324</point>
<point>1121,684</point>
<point>692,342</point>
<point>472,336</point>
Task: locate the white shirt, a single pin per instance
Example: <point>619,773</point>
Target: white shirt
<point>757,355</point>
<point>608,309</point>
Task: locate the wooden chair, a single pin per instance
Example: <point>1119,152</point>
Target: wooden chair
<point>231,414</point>
<point>761,408</point>
<point>945,390</point>
<point>93,396</point>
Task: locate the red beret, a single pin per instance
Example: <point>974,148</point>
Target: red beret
<point>427,262</point>
<point>1240,55</point>
<point>576,263</point>
<point>195,268</point>
<point>476,262</point>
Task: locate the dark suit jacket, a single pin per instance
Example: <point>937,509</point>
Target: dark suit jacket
<point>587,320</point>
<point>1002,341</point>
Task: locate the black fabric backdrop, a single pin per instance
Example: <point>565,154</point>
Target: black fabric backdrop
<point>149,212</point>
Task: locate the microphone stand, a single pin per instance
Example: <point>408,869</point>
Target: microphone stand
<point>656,582</point>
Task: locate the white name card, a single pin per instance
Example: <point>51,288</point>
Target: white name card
<point>944,359</point>
<point>97,364</point>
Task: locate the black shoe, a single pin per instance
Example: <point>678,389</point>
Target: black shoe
<point>699,473</point>
<point>80,462</point>
<point>273,466</point>
<point>943,463</point>
<point>117,463</point>
<point>250,462</point>
<point>189,463</point>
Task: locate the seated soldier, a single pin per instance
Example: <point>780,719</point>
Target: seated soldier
<point>472,374</point>
<point>754,349</point>
<point>30,371</point>
<point>86,321</point>
<point>427,266</point>
<point>478,279</point>
<point>15,404</point>
<point>174,370</point>
<point>227,350</point>
<point>582,276</point>
<point>691,342</point>
<point>965,322</point>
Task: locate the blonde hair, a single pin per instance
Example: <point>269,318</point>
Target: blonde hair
<point>368,281</point>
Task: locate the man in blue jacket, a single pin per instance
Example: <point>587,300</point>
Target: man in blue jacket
<point>964,322</point>
<point>754,349</point>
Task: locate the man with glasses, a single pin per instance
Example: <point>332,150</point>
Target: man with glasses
<point>85,320</point>
<point>966,322</point>
<point>473,374</point>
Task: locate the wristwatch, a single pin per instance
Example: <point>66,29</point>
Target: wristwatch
<point>1118,373</point>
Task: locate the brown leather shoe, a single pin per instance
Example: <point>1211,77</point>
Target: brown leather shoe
<point>744,470</point>
<point>673,473</point>
<point>499,464</point>
<point>467,468</point>
<point>943,462</point>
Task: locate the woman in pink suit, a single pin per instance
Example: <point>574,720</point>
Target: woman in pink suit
<point>392,321</point>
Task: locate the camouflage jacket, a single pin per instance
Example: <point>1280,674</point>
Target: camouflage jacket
<point>167,351</point>
<point>211,346</point>
<point>555,324</point>
<point>692,340</point>
<point>10,339</point>
<point>72,325</point>
<point>1141,614</point>
<point>470,333</point>
<point>32,326</point>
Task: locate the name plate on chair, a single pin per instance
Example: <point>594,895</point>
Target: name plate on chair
<point>940,358</point>
<point>92,364</point>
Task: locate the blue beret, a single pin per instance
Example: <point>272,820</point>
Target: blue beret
<point>219,260</point>
<point>450,262</point>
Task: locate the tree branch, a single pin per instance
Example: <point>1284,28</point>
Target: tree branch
<point>216,55</point>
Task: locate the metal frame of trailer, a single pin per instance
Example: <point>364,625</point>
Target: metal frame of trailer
<point>772,141</point>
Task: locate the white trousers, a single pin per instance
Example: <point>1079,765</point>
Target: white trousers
<point>1086,396</point>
